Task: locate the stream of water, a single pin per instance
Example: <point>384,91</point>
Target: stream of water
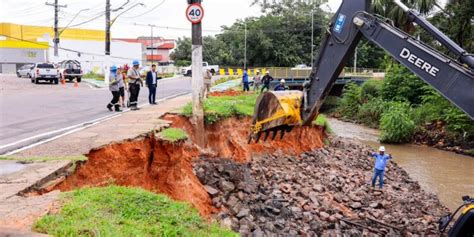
<point>447,174</point>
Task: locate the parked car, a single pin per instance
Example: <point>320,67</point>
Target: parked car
<point>187,71</point>
<point>25,70</point>
<point>46,72</point>
<point>70,70</point>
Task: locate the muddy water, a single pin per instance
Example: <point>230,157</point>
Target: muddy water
<point>447,174</point>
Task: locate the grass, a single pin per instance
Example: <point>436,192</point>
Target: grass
<point>122,211</point>
<point>173,134</point>
<point>224,79</point>
<point>43,158</point>
<point>92,75</point>
<point>321,120</point>
<point>221,107</point>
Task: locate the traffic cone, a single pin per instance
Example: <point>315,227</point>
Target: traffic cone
<point>75,83</point>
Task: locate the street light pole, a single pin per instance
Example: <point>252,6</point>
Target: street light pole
<point>245,46</point>
<point>152,59</point>
<point>312,37</point>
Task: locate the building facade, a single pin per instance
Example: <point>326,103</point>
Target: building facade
<point>23,44</point>
<point>157,49</point>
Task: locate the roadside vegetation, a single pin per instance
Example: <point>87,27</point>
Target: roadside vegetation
<point>406,109</point>
<point>123,211</point>
<point>93,75</point>
<point>224,79</point>
<point>173,134</point>
<point>221,107</point>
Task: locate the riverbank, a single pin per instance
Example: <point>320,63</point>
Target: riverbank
<point>299,184</point>
<point>447,174</point>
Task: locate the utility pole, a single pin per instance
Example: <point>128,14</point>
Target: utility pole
<point>312,37</point>
<point>152,60</point>
<point>107,43</point>
<point>245,46</point>
<point>56,30</point>
<point>197,84</point>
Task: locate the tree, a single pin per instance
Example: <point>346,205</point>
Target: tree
<point>182,53</point>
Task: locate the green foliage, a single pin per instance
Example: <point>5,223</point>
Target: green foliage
<point>322,121</point>
<point>371,88</point>
<point>92,75</point>
<point>182,53</point>
<point>350,101</point>
<point>121,211</point>
<point>369,55</point>
<point>281,37</point>
<point>369,113</point>
<point>220,107</point>
<point>173,134</point>
<point>396,124</point>
<point>224,79</point>
<point>402,85</point>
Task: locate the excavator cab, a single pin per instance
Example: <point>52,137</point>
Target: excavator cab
<point>464,225</point>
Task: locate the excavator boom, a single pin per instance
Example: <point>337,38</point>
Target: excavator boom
<point>453,78</point>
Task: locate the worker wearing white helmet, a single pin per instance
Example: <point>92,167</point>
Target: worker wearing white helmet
<point>281,86</point>
<point>266,81</point>
<point>380,162</point>
<point>257,80</point>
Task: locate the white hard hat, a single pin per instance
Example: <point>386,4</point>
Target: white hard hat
<point>258,71</point>
<point>282,80</point>
<point>381,148</point>
<point>267,72</point>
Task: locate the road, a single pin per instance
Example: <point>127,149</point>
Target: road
<point>29,111</point>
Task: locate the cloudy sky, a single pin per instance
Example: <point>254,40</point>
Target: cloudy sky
<point>168,15</point>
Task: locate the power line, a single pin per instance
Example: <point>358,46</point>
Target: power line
<point>62,48</point>
<point>144,13</point>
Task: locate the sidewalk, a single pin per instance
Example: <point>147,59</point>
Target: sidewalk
<point>20,212</point>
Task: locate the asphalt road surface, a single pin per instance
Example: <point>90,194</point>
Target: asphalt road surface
<point>32,112</point>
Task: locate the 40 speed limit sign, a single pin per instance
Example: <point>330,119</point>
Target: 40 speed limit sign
<point>195,13</point>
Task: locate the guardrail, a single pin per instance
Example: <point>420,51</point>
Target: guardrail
<point>299,73</point>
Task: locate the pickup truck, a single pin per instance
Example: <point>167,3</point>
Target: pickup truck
<point>46,72</point>
<point>70,70</point>
<point>188,72</point>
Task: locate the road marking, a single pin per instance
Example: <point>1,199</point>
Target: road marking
<point>72,129</point>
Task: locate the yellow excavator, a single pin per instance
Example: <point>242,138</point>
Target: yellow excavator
<point>453,77</point>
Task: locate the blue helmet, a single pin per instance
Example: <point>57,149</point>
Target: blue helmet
<point>135,63</point>
<point>113,68</point>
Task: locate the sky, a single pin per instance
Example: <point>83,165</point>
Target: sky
<point>168,15</point>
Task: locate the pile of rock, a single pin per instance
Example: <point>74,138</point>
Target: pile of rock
<point>325,191</point>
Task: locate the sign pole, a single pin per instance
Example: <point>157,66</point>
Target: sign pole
<point>194,13</point>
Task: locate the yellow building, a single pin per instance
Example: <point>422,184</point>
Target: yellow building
<point>24,44</point>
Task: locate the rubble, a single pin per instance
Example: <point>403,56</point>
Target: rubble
<point>322,192</point>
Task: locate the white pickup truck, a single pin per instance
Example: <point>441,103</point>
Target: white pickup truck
<point>187,71</point>
<point>46,72</point>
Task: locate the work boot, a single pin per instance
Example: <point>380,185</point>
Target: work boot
<point>117,108</point>
<point>109,106</point>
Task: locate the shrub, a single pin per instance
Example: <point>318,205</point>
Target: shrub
<point>350,101</point>
<point>402,85</point>
<point>369,113</point>
<point>322,121</point>
<point>396,124</point>
<point>371,89</point>
<point>173,134</point>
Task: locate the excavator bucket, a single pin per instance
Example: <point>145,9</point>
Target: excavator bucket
<point>275,111</point>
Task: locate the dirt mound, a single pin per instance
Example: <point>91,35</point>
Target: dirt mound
<point>153,165</point>
<point>229,138</point>
<point>226,93</point>
<point>322,192</point>
<point>165,167</point>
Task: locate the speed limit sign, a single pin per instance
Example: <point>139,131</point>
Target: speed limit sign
<point>195,13</point>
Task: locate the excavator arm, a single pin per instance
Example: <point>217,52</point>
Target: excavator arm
<point>453,78</point>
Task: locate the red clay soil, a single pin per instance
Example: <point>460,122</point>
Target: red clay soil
<point>228,138</point>
<point>166,168</point>
<point>128,164</point>
<point>226,93</point>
